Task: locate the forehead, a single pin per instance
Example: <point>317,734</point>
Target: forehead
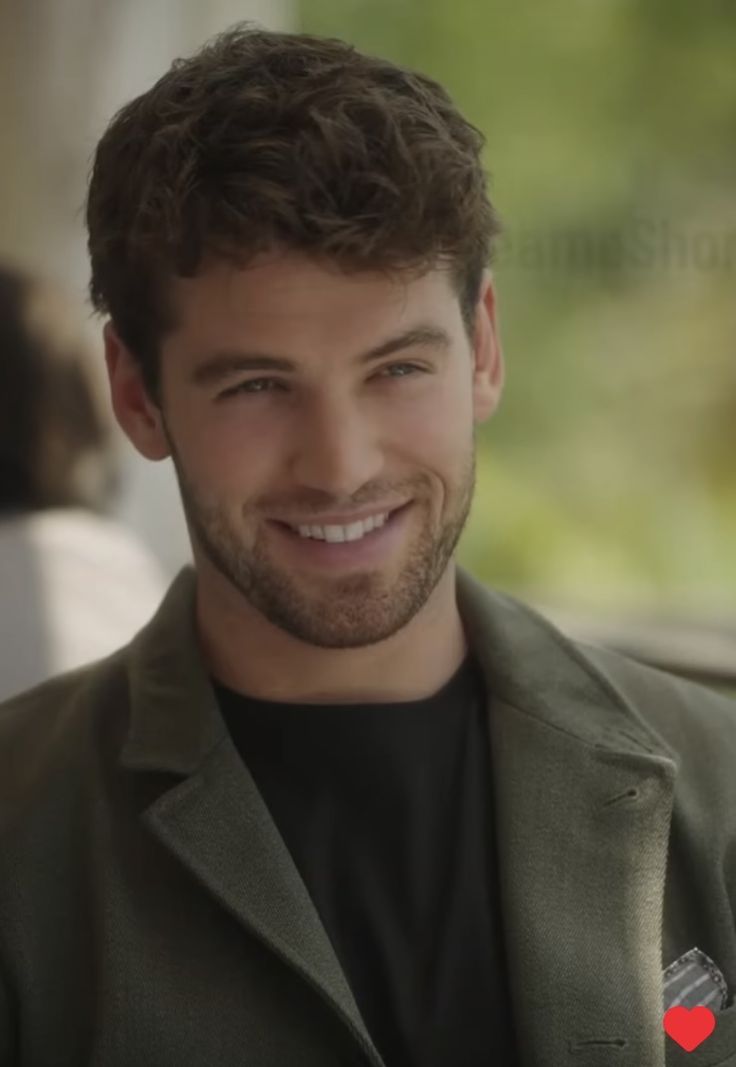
<point>289,295</point>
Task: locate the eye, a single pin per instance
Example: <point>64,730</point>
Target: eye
<point>250,388</point>
<point>410,366</point>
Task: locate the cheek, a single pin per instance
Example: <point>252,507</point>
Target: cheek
<point>440,430</point>
<point>224,451</point>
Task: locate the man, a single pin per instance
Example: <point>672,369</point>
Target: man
<point>338,803</point>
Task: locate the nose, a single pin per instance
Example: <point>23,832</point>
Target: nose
<point>336,450</point>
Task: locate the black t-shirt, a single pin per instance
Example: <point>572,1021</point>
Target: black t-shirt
<point>387,812</point>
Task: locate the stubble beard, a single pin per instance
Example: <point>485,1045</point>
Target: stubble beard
<point>350,610</point>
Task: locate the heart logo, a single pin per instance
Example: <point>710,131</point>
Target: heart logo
<point>689,1027</point>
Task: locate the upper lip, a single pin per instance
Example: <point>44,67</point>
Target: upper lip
<point>342,520</point>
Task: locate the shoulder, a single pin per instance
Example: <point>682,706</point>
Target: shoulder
<point>76,534</point>
<point>536,660</point>
<point>77,586</point>
<point>54,737</point>
<point>675,708</point>
<point>672,704</point>
<point>78,537</point>
<point>694,722</point>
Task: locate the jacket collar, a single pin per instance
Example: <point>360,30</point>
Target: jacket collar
<point>215,820</point>
<point>583,793</point>
<point>174,719</point>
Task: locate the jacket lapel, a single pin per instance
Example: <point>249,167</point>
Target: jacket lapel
<point>583,802</point>
<point>583,797</point>
<point>214,820</point>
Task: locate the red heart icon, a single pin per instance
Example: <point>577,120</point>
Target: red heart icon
<point>689,1027</point>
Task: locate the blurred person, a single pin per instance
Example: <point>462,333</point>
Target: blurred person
<point>74,584</point>
<point>339,802</point>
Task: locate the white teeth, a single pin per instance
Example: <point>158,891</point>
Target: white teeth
<point>337,534</point>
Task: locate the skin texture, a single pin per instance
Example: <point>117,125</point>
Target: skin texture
<point>331,436</point>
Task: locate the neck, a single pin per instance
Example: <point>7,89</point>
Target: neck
<point>246,653</point>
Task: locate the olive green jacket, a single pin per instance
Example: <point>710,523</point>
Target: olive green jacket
<point>151,915</point>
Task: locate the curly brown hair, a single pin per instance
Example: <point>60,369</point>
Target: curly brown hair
<point>264,139</point>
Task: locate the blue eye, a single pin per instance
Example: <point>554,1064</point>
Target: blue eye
<point>411,366</point>
<point>249,388</point>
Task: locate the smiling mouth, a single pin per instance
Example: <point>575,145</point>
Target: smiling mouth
<point>293,528</point>
<point>313,522</point>
<point>355,550</point>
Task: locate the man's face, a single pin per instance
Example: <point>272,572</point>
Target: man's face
<point>334,436</point>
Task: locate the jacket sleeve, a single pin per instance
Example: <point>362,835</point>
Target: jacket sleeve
<point>9,1019</point>
<point>8,1046</point>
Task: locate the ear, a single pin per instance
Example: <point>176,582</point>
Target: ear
<point>139,418</point>
<point>488,371</point>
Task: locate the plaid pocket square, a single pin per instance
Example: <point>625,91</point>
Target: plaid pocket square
<point>694,980</point>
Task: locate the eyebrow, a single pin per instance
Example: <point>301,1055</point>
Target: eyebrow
<point>223,364</point>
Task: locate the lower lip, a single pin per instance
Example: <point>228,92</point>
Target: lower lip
<point>370,548</point>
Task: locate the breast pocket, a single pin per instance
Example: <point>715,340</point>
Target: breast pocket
<point>718,1050</point>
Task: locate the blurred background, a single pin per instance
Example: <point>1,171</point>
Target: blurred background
<point>606,488</point>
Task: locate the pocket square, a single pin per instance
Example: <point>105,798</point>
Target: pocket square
<point>694,981</point>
